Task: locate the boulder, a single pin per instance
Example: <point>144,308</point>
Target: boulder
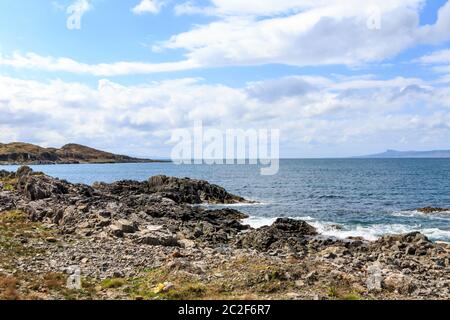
<point>122,226</point>
<point>430,210</point>
<point>282,233</point>
<point>399,283</point>
<point>37,186</point>
<point>191,191</point>
<point>156,236</point>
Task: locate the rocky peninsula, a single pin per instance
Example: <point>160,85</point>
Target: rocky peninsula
<point>155,240</point>
<point>20,153</point>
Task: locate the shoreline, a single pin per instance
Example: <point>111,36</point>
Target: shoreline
<point>154,240</point>
<point>80,163</point>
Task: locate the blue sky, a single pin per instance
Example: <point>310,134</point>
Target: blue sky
<point>338,78</point>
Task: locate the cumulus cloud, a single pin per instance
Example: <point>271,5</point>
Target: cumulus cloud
<point>304,33</point>
<point>315,114</point>
<point>148,6</point>
<point>289,32</point>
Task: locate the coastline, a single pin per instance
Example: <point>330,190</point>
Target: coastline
<point>46,163</point>
<point>151,240</point>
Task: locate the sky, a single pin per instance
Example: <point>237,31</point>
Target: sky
<point>337,77</point>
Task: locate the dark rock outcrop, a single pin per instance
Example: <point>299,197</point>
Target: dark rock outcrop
<point>430,210</point>
<point>283,233</point>
<point>37,186</point>
<point>191,191</point>
<point>129,208</point>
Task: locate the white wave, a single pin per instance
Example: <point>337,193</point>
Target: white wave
<point>437,234</point>
<point>258,222</point>
<point>252,203</point>
<point>370,232</point>
<point>418,214</point>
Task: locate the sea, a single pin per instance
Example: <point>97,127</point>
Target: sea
<point>365,198</point>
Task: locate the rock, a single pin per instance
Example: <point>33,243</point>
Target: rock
<point>36,186</point>
<point>430,210</point>
<point>398,282</point>
<point>158,237</point>
<point>374,278</point>
<point>51,239</point>
<point>187,244</point>
<point>191,191</point>
<point>283,232</point>
<point>123,226</point>
<point>116,231</point>
<point>332,252</point>
<point>410,250</point>
<point>311,277</point>
<point>299,283</point>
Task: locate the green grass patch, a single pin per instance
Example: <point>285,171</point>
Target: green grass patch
<point>113,283</point>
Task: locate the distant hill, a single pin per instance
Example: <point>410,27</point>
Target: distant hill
<point>410,154</point>
<point>25,153</point>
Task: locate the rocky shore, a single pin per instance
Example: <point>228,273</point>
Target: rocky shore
<point>154,240</point>
<point>20,153</point>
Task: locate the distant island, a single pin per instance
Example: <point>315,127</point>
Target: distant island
<point>410,154</point>
<point>19,153</point>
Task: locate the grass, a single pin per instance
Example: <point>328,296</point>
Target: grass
<point>342,292</point>
<point>9,183</point>
<point>242,278</point>
<point>113,283</point>
<point>8,288</point>
<point>17,234</point>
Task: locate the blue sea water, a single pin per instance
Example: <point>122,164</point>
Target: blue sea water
<point>341,197</point>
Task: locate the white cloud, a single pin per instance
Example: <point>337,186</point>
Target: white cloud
<point>52,64</point>
<point>315,113</point>
<point>307,33</point>
<point>440,61</point>
<point>148,6</point>
<point>298,33</point>
<point>437,57</point>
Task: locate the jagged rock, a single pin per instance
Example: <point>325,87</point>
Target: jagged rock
<point>36,186</point>
<point>7,202</point>
<point>156,236</point>
<point>430,210</point>
<point>122,226</point>
<point>398,282</point>
<point>191,191</point>
<point>283,232</point>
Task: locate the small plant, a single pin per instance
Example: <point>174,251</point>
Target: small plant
<point>8,187</point>
<point>351,296</point>
<point>333,292</point>
<point>54,281</point>
<point>113,283</point>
